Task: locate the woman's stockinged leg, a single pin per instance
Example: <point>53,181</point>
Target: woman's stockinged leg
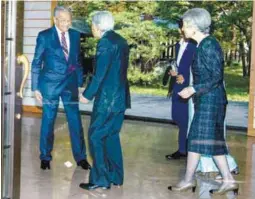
<point>222,164</point>
<point>188,182</point>
<point>192,162</point>
<point>229,183</point>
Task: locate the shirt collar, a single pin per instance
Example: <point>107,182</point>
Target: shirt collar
<point>59,31</point>
<point>104,33</point>
<point>183,42</point>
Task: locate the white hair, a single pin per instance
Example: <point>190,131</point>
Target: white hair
<point>103,20</point>
<point>199,18</point>
<point>58,9</point>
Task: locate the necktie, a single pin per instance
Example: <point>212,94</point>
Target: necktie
<point>64,45</point>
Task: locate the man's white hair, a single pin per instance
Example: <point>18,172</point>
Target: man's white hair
<point>103,20</point>
<point>58,9</point>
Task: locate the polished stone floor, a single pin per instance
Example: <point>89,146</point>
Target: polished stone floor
<point>147,173</point>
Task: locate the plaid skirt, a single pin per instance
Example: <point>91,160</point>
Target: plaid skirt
<point>206,134</point>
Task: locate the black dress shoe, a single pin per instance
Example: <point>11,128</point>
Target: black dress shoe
<point>45,164</point>
<point>90,186</point>
<point>177,155</point>
<point>235,171</point>
<point>115,184</point>
<point>84,164</point>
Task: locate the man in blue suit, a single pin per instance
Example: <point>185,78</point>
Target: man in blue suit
<point>184,51</point>
<point>56,72</point>
<point>109,87</point>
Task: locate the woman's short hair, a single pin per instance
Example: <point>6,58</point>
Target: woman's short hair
<point>58,9</point>
<point>199,18</point>
<point>103,20</point>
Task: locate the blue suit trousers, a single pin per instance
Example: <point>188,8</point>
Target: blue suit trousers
<point>180,115</point>
<point>71,106</point>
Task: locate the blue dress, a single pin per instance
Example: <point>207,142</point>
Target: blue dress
<point>206,162</point>
<point>206,135</point>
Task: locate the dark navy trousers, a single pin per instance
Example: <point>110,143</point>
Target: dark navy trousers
<point>180,115</point>
<point>105,148</point>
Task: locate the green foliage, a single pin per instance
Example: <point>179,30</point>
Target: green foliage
<point>150,79</point>
<point>136,77</point>
<point>144,37</point>
<point>232,24</point>
<point>148,90</point>
<point>172,10</point>
<point>237,86</point>
<point>147,39</point>
<point>89,46</point>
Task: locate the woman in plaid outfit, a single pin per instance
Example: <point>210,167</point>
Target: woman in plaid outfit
<point>206,134</point>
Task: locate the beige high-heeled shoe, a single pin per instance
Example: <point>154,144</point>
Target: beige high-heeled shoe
<point>229,187</point>
<point>233,172</point>
<point>190,185</point>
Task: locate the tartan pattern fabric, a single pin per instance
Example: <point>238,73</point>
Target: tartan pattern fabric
<point>64,45</point>
<point>206,134</point>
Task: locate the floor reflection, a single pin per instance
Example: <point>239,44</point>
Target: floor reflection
<point>147,173</point>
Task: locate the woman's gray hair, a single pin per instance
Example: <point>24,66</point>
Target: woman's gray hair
<point>58,9</point>
<point>103,20</point>
<point>199,18</point>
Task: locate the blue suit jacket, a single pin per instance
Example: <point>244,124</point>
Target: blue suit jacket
<point>50,69</point>
<point>184,67</point>
<point>109,84</point>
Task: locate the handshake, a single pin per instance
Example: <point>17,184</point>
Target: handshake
<point>82,99</point>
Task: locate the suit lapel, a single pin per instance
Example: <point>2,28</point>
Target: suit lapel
<point>56,41</point>
<point>71,42</point>
<point>177,50</point>
<point>185,53</point>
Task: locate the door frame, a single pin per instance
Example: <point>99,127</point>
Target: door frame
<point>11,109</point>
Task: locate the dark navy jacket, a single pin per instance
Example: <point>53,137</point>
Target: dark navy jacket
<point>184,67</point>
<point>180,106</point>
<point>109,85</point>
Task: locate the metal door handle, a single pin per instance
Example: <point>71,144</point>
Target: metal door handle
<point>22,59</point>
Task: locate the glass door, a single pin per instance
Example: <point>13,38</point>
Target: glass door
<point>11,96</point>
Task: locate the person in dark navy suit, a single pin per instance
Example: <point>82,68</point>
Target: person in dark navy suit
<point>56,73</point>
<point>184,51</point>
<point>110,90</point>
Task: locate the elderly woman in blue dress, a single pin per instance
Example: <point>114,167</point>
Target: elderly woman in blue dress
<point>206,134</point>
<point>206,164</point>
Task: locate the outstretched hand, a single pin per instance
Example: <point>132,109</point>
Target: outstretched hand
<point>83,99</point>
<point>38,96</point>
